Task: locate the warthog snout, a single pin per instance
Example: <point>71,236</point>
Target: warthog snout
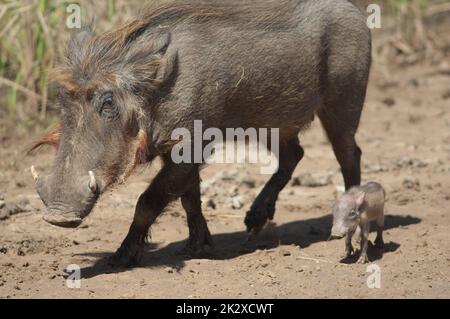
<point>67,204</point>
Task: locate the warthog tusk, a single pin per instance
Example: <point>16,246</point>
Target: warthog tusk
<point>34,173</point>
<point>92,182</point>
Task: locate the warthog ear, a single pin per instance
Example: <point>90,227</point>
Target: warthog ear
<point>149,62</point>
<point>50,138</point>
<point>79,38</point>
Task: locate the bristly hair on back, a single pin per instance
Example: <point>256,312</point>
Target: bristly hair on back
<point>98,60</point>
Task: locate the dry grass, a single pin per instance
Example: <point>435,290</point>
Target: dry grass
<point>32,33</point>
<point>413,39</point>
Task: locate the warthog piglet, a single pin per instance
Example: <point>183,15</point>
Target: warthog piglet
<point>358,207</point>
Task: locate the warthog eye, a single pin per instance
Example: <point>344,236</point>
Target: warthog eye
<point>107,108</point>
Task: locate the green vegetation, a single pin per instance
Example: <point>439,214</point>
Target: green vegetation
<point>32,34</point>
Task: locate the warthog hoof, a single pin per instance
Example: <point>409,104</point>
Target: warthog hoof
<point>379,243</point>
<point>348,252</point>
<point>257,217</point>
<point>127,255</point>
<point>195,246</point>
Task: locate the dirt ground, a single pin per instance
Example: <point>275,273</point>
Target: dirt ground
<point>405,137</point>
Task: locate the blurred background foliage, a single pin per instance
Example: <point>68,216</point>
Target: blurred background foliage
<point>33,34</point>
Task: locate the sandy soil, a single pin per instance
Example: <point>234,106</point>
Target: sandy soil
<point>405,137</point>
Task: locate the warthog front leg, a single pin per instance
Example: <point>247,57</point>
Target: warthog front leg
<point>263,208</point>
<point>199,234</point>
<point>171,182</point>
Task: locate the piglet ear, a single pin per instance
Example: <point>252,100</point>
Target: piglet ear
<point>360,197</point>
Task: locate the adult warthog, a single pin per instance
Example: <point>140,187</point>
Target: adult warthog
<point>230,64</point>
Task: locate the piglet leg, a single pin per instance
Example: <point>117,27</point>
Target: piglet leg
<point>364,243</point>
<point>348,244</point>
<point>379,243</point>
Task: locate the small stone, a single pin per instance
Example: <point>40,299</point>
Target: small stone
<point>4,214</point>
<point>401,199</point>
<point>375,168</point>
<point>411,183</point>
<point>169,270</point>
<point>389,102</point>
<point>236,202</point>
<point>406,161</point>
<point>211,204</point>
<point>21,184</point>
<point>249,181</point>
<point>308,180</point>
<point>8,209</point>
<point>233,191</point>
<point>227,175</point>
<point>446,95</point>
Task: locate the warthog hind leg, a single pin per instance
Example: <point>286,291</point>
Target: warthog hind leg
<point>263,208</point>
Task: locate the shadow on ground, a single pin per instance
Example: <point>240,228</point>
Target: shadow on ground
<point>231,245</point>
